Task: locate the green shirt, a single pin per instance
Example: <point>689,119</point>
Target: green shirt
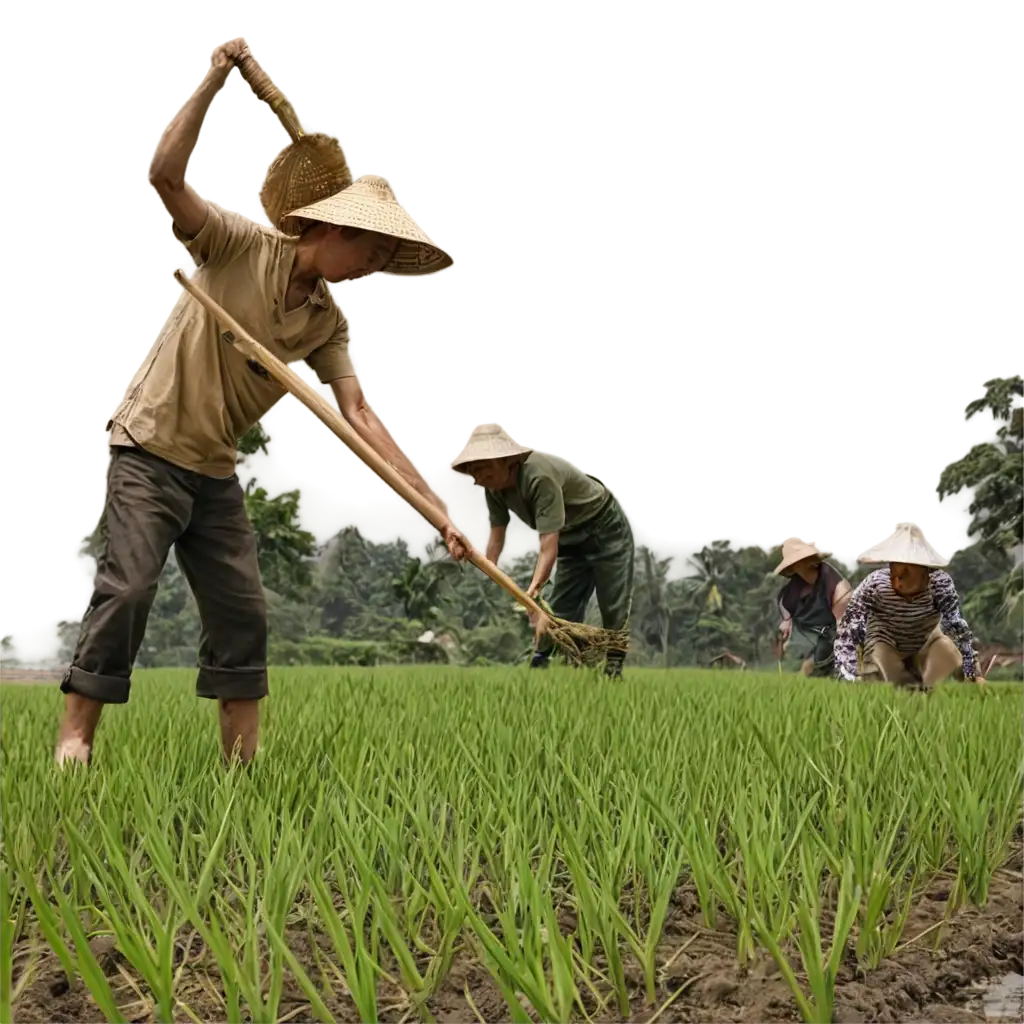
<point>549,495</point>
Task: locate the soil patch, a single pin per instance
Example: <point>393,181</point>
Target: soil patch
<point>940,974</point>
<point>28,676</point>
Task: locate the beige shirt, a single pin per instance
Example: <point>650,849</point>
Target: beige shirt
<point>195,395</point>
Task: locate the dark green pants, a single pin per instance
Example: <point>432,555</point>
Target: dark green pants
<point>597,556</point>
<point>151,507</point>
<point>816,643</point>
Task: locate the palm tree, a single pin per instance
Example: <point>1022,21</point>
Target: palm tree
<point>711,567</point>
<point>652,606</point>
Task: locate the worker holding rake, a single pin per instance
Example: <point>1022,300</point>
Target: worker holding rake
<point>812,602</point>
<point>585,537</point>
<point>906,618</point>
<point>171,480</point>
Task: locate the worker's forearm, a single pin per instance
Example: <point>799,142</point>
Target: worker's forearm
<point>179,139</point>
<point>545,562</point>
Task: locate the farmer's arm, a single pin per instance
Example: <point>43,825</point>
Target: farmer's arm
<point>498,516</point>
<point>786,625</point>
<point>167,171</point>
<point>354,407</point>
<point>169,162</point>
<point>545,495</point>
<point>545,562</point>
<point>840,599</point>
<point>496,543</point>
<point>851,632</point>
<point>785,629</point>
<point>947,603</point>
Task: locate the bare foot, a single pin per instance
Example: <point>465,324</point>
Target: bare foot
<point>73,749</point>
<point>77,729</point>
<point>239,729</point>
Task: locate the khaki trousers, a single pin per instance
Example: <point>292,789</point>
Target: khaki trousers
<point>936,661</point>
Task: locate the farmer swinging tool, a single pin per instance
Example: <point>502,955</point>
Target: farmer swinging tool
<point>579,641</point>
<point>171,482</point>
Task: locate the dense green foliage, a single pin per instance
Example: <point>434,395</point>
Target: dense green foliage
<point>351,601</point>
<point>995,471</point>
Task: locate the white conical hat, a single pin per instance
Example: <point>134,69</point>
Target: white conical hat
<point>369,203</point>
<point>908,545</point>
<point>488,441</point>
<point>795,550</point>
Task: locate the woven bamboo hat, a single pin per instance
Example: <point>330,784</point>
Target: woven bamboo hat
<point>795,550</point>
<point>369,203</point>
<point>488,441</point>
<point>908,545</point>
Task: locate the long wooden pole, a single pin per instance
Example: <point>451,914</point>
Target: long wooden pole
<point>289,380</point>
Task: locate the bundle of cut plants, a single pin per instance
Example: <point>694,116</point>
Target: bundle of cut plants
<point>311,168</point>
<point>581,643</point>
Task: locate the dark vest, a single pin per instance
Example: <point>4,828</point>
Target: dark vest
<point>812,609</point>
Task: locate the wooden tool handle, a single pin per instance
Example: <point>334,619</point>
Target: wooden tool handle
<point>260,83</point>
<point>289,380</point>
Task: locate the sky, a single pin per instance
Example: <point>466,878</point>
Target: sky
<point>750,291</point>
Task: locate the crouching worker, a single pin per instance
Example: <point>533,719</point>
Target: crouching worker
<point>812,602</point>
<point>171,480</point>
<point>585,537</point>
<point>906,618</point>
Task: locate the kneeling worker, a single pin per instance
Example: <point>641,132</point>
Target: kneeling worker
<point>907,618</point>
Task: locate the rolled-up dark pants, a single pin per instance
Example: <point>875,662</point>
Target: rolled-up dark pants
<point>596,556</point>
<point>151,507</point>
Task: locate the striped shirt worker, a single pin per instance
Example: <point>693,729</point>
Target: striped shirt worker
<point>877,614</point>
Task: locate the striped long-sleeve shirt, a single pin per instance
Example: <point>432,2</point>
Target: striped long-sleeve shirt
<point>876,613</point>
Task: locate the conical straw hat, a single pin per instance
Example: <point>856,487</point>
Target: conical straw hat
<point>488,441</point>
<point>908,545</point>
<point>795,550</point>
<point>369,203</point>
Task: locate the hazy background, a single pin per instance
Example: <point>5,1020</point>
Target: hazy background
<point>747,263</point>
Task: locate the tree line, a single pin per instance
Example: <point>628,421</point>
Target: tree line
<point>353,601</point>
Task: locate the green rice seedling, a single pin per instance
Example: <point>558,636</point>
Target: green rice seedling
<point>8,934</point>
<point>659,868</point>
<point>713,877</point>
<point>883,872</point>
<point>883,917</point>
<point>530,955</point>
<point>385,919</point>
<point>979,806</point>
<point>347,932</point>
<point>198,908</point>
<point>317,1005</point>
<point>283,871</point>
<point>448,911</point>
<point>88,967</point>
<point>599,916</point>
<point>703,859</point>
<point>816,1006</point>
<point>765,853</point>
<point>144,935</point>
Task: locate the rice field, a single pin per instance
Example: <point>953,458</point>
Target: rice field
<point>420,844</point>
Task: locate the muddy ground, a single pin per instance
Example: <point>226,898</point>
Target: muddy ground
<point>940,974</point>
